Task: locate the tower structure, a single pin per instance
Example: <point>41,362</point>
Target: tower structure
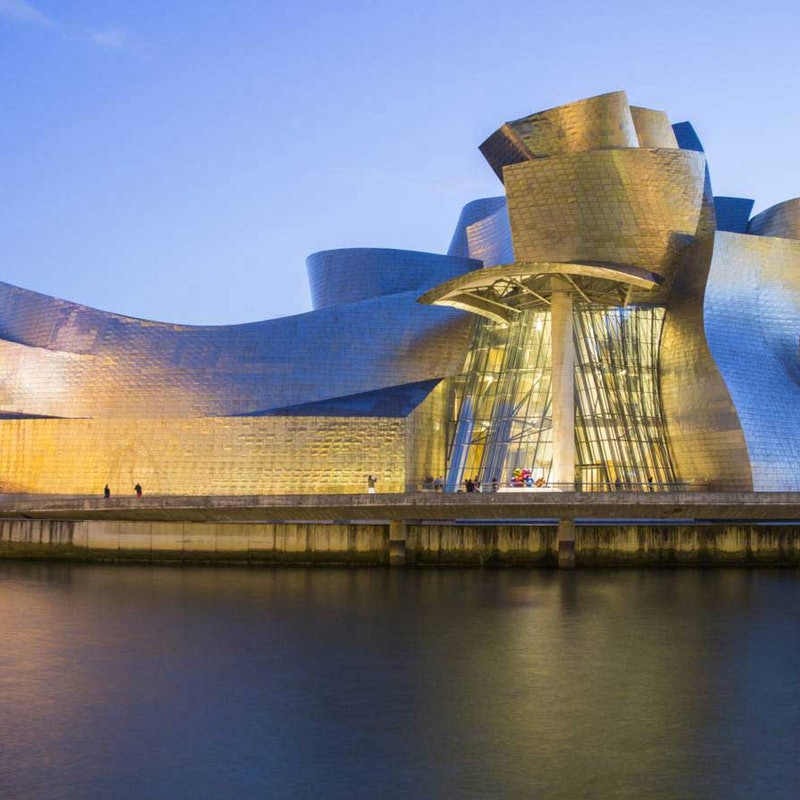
<point>602,204</point>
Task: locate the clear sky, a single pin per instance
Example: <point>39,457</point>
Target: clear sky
<point>178,159</point>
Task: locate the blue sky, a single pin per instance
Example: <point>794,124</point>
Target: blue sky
<point>178,160</point>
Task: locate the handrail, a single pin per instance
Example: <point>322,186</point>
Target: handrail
<point>578,486</point>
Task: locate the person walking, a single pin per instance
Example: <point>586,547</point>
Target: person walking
<point>138,490</point>
<point>371,481</point>
<point>106,492</point>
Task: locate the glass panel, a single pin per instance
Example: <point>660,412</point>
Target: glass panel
<point>501,407</point>
<point>619,424</point>
<point>504,421</point>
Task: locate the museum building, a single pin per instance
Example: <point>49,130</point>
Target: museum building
<point>606,323</point>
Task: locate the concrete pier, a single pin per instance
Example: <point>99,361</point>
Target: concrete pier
<point>397,544</point>
<point>566,544</point>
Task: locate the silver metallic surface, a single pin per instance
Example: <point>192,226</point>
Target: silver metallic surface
<point>752,320</point>
<point>483,232</point>
<point>596,123</point>
<point>653,128</point>
<point>60,359</point>
<point>89,398</point>
<point>781,220</point>
<point>351,275</point>
<point>705,435</point>
<point>636,207</point>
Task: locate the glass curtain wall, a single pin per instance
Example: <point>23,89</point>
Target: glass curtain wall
<point>619,428</point>
<point>502,421</point>
<point>501,417</point>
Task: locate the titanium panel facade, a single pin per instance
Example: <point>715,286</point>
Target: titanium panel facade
<point>732,213</point>
<point>597,123</point>
<point>685,325</point>
<point>636,207</point>
<point>483,233</point>
<point>64,360</point>
<point>688,139</point>
<point>782,220</point>
<point>653,128</point>
<point>752,314</point>
<point>89,398</point>
<point>705,435</point>
<point>239,456</point>
<point>337,277</point>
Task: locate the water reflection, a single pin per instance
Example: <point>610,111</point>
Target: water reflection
<point>159,682</point>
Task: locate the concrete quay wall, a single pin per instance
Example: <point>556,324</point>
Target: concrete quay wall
<point>410,544</point>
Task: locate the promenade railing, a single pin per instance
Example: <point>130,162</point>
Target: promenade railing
<point>577,486</point>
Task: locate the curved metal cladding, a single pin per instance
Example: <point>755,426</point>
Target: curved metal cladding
<point>483,232</point>
<point>706,439</point>
<point>596,123</point>
<point>653,128</point>
<point>752,309</point>
<point>351,275</point>
<point>60,359</point>
<point>688,139</point>
<point>637,207</point>
<point>781,220</point>
<point>732,213</point>
<point>307,403</point>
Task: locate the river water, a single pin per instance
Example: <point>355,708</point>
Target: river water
<point>160,682</point>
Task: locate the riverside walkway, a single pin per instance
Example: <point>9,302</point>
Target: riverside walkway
<point>544,527</point>
<point>539,505</point>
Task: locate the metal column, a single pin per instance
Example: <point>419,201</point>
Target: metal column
<point>562,474</point>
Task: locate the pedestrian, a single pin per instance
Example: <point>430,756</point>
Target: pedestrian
<point>649,483</point>
<point>469,484</point>
<point>371,481</point>
<point>106,492</point>
<point>618,483</point>
<point>438,484</point>
<point>138,490</point>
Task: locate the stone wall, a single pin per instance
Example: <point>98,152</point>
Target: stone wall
<point>422,544</point>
